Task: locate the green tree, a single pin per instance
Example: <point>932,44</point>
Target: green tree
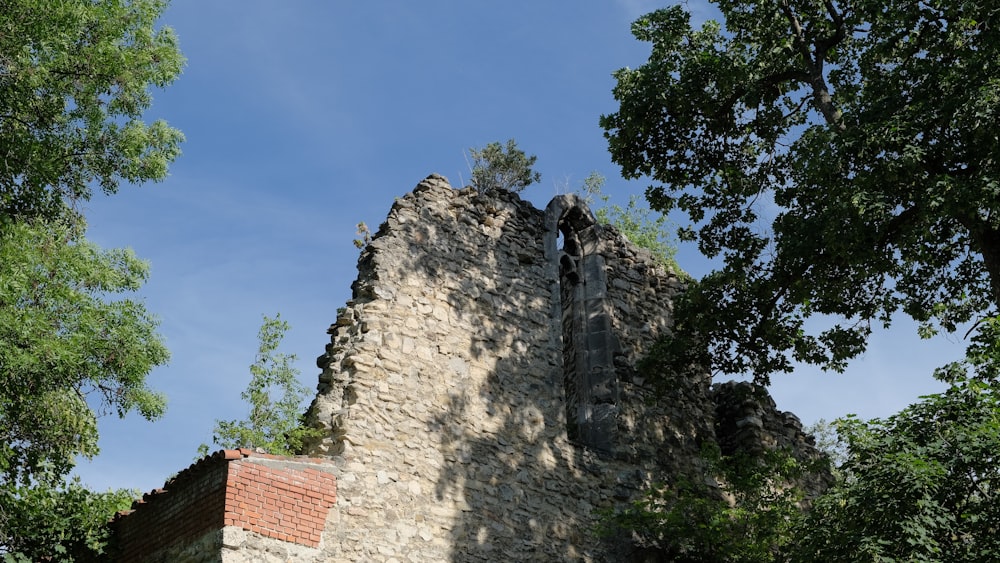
<point>918,486</point>
<point>745,518</point>
<point>635,221</point>
<point>275,397</point>
<point>829,441</point>
<point>840,157</point>
<point>75,79</point>
<point>499,167</point>
<point>70,350</point>
<point>68,346</point>
<point>52,521</point>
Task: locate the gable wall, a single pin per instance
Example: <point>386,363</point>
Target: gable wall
<point>443,391</point>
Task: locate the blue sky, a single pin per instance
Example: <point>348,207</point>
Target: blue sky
<point>304,118</point>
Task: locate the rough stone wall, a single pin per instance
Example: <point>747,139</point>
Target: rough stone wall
<point>747,420</point>
<point>641,291</point>
<point>242,546</point>
<point>633,294</point>
<point>444,388</point>
<point>480,402</point>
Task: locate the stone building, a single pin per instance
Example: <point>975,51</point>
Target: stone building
<point>479,396</point>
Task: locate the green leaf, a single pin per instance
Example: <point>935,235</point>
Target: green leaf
<point>275,399</point>
<point>839,160</point>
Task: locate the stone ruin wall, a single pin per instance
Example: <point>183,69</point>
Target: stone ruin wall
<point>479,393</point>
<point>479,399</point>
<point>443,390</point>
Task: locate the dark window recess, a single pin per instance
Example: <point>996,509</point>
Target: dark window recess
<point>588,342</point>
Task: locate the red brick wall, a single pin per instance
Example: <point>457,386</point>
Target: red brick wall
<point>285,504</point>
<point>189,506</point>
<point>287,499</point>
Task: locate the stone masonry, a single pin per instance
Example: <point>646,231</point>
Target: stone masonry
<point>480,401</point>
<point>479,394</point>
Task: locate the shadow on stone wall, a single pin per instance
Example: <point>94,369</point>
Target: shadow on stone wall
<point>521,489</point>
<point>444,391</point>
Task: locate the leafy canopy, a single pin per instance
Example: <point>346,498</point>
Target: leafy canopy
<point>75,78</point>
<point>839,157</point>
<point>71,349</point>
<point>69,345</point>
<point>499,167</point>
<point>57,522</point>
<point>920,485</point>
<point>275,397</point>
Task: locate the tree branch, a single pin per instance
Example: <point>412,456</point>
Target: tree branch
<point>896,224</point>
<point>987,238</point>
<point>814,64</point>
<point>772,80</point>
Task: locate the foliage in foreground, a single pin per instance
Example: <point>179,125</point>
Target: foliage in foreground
<point>70,351</point>
<point>52,521</point>
<point>69,346</point>
<point>839,157</point>
<point>76,80</point>
<point>275,398</point>
<point>920,485</point>
<point>498,167</point>
<point>917,486</point>
<point>746,518</point>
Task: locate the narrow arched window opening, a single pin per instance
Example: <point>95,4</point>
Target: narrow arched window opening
<point>588,344</point>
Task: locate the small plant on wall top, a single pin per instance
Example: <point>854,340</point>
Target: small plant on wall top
<point>275,397</point>
<point>502,167</point>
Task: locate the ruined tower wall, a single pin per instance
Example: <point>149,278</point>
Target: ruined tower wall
<point>444,387</point>
<point>479,400</point>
